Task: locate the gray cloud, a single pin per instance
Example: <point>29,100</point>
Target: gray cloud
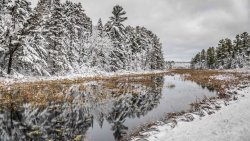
<point>184,26</point>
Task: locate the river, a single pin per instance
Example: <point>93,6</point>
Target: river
<point>103,110</point>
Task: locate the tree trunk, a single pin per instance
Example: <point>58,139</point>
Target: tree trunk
<point>10,62</point>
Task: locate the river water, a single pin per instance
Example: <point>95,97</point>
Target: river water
<point>104,110</point>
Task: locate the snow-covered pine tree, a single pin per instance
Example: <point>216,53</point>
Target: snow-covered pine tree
<point>44,7</point>
<point>142,47</point>
<point>56,38</point>
<point>71,41</point>
<point>158,59</point>
<point>15,30</point>
<point>3,4</point>
<point>228,55</point>
<point>236,52</point>
<point>78,30</point>
<point>197,61</point>
<point>100,27</point>
<point>116,31</point>
<point>221,53</point>
<point>248,52</point>
<point>3,27</point>
<point>203,58</point>
<point>211,58</point>
<point>132,60</point>
<point>244,47</point>
<point>55,34</point>
<point>32,56</point>
<point>98,51</point>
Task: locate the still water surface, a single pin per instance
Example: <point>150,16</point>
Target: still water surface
<point>93,110</point>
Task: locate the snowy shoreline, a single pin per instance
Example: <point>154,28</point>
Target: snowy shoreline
<point>88,75</point>
<point>221,119</point>
<point>223,125</point>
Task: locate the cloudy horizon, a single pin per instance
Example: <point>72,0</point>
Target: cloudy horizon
<point>184,26</point>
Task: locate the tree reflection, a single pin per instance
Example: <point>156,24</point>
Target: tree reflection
<point>66,112</point>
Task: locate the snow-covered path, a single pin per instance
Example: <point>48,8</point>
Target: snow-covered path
<point>231,123</point>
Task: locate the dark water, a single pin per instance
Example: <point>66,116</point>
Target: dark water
<point>94,110</point>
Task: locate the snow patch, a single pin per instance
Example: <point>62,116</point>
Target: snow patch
<point>223,77</point>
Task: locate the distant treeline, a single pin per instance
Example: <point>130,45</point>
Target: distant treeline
<point>227,55</point>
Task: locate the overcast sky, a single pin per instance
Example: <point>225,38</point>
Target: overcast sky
<point>184,26</point>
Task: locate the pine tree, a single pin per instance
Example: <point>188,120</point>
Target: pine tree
<point>55,38</point>
<point>245,46</point>
<point>32,57</point>
<point>3,32</point>
<point>197,61</point>
<point>71,42</point>
<point>248,52</point>
<point>211,61</point>
<point>44,7</point>
<point>117,29</point>
<point>3,5</point>
<point>54,33</point>
<point>98,51</point>
<point>221,53</point>
<point>156,56</point>
<point>203,58</point>
<point>248,46</point>
<point>237,43</point>
<point>78,30</point>
<point>244,40</point>
<point>100,27</point>
<point>228,55</point>
<point>99,24</point>
<point>16,15</point>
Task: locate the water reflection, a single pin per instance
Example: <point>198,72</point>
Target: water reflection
<point>66,112</point>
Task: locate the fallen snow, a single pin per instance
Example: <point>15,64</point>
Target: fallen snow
<point>72,76</point>
<point>231,123</point>
<point>241,70</point>
<point>223,77</point>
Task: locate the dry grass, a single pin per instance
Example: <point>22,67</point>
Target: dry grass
<point>206,78</point>
<point>129,77</point>
<point>40,94</point>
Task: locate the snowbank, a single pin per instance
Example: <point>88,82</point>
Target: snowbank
<point>231,123</point>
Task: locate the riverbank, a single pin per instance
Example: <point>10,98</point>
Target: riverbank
<point>231,123</point>
<point>76,78</point>
<point>220,118</point>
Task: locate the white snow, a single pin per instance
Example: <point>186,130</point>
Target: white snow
<point>85,73</point>
<point>231,123</point>
<point>245,70</point>
<point>223,77</point>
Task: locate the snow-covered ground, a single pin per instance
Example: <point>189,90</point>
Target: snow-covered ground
<point>231,123</point>
<point>72,76</point>
<point>242,70</point>
<point>223,77</point>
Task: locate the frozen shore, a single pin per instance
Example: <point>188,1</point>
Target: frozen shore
<point>230,123</point>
